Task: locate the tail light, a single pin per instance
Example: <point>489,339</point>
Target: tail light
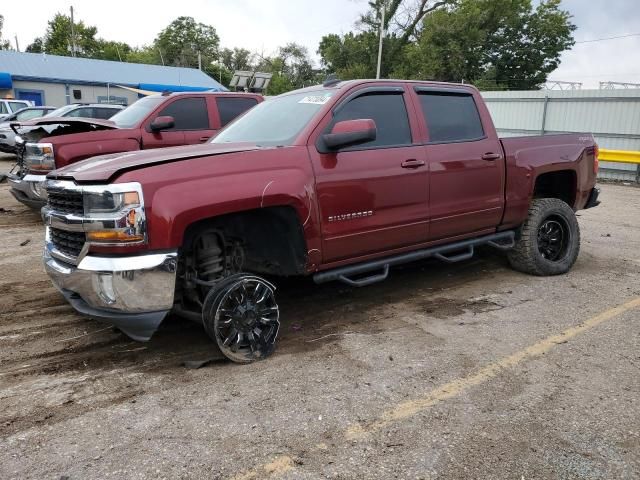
<point>596,160</point>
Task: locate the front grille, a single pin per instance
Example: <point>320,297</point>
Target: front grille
<point>66,201</point>
<point>69,243</point>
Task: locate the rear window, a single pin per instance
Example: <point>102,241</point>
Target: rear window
<point>229,108</point>
<point>451,117</point>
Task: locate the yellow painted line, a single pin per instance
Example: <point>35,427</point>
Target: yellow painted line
<point>282,464</point>
<point>620,156</point>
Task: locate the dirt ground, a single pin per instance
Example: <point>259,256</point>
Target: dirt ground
<point>443,371</point>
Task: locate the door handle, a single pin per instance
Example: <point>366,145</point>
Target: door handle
<point>412,163</point>
<point>491,156</point>
<point>204,139</point>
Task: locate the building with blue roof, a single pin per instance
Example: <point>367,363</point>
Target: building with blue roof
<point>55,80</point>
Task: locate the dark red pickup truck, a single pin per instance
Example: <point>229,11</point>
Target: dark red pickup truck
<point>156,121</point>
<point>340,181</point>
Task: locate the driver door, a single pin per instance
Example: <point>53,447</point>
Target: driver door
<point>373,197</point>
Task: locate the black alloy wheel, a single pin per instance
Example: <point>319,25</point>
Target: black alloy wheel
<point>242,316</point>
<point>553,238</point>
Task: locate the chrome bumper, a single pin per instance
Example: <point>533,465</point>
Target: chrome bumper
<point>29,190</point>
<point>133,293</point>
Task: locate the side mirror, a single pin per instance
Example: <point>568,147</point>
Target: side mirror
<point>350,132</point>
<point>162,123</point>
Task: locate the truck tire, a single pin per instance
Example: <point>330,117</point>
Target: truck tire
<point>241,315</point>
<point>548,241</point>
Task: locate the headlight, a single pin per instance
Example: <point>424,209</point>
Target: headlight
<point>103,202</point>
<point>38,157</point>
<point>114,214</point>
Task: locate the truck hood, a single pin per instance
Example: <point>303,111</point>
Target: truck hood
<point>103,168</point>
<point>37,129</point>
<point>65,120</point>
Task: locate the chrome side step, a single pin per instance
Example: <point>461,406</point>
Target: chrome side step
<point>450,253</point>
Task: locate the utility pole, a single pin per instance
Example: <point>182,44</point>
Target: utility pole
<point>17,46</point>
<point>381,38</point>
<point>199,60</point>
<point>73,35</point>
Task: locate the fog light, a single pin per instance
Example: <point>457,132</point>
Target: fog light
<point>105,288</point>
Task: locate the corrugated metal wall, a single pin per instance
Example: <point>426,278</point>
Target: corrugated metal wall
<point>613,116</point>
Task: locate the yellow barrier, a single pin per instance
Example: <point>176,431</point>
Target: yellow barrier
<point>621,156</point>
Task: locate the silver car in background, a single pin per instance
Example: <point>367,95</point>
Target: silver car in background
<point>7,136</point>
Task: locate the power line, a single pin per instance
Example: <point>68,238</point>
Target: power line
<point>609,38</point>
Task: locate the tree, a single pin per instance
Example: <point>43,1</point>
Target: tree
<point>180,42</point>
<point>355,55</point>
<point>504,44</point>
<point>57,38</point>
<point>291,68</point>
<point>4,44</point>
<point>110,50</point>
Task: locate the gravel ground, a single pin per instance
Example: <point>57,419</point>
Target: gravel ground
<point>442,371</point>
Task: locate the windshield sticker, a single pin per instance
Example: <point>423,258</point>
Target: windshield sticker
<point>316,99</point>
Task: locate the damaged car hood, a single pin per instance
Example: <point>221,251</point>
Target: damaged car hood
<point>103,168</point>
<point>97,123</point>
<point>35,130</point>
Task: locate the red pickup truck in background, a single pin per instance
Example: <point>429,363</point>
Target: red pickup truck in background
<point>340,181</point>
<point>156,121</point>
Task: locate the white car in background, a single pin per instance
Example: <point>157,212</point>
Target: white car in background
<point>86,110</point>
<point>7,107</point>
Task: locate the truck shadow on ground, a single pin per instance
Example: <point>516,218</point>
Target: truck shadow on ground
<point>311,316</point>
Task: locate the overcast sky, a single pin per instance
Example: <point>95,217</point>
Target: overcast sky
<point>263,25</point>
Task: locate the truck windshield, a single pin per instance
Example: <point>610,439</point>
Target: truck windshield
<point>136,112</point>
<point>277,121</point>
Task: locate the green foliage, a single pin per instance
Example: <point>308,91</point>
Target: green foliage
<point>110,50</point>
<point>4,44</point>
<point>180,42</point>
<point>355,55</point>
<point>497,44</point>
<point>57,38</point>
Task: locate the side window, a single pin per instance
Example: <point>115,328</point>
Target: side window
<point>85,112</point>
<point>29,114</point>
<point>104,113</point>
<point>387,110</point>
<point>188,114</point>
<point>230,107</point>
<point>451,117</point>
<point>15,106</point>
<point>3,108</point>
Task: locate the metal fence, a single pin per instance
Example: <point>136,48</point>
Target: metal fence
<point>612,116</point>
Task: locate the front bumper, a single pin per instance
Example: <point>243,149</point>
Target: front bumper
<point>133,293</point>
<point>29,190</point>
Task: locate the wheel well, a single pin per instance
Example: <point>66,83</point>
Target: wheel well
<point>561,184</point>
<point>272,238</point>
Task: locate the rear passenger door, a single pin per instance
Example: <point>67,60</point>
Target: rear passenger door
<point>466,168</point>
<point>195,119</point>
<point>373,197</point>
<point>231,107</point>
